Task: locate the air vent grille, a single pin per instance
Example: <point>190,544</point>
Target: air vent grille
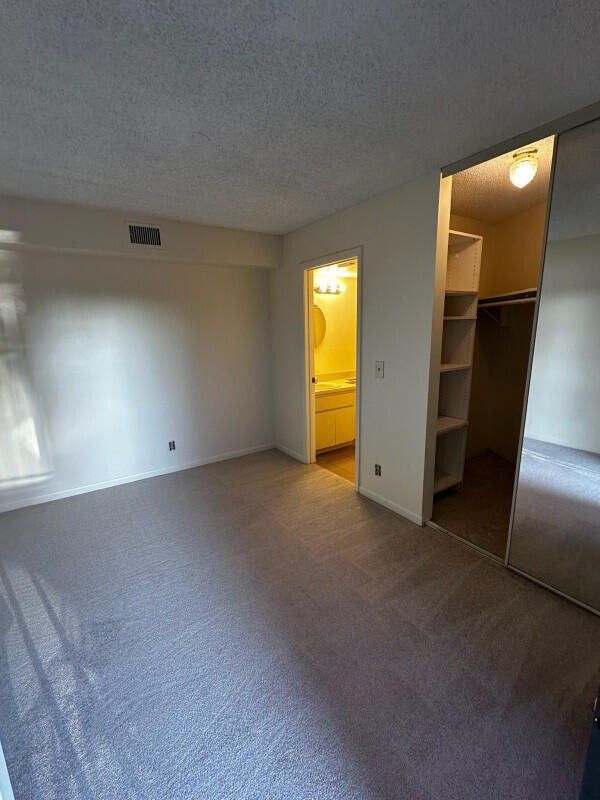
<point>144,234</point>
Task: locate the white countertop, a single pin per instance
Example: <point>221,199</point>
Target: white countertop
<point>335,385</point>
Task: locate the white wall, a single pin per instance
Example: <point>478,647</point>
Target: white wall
<point>126,352</point>
<point>34,224</point>
<point>565,377</point>
<point>397,231</point>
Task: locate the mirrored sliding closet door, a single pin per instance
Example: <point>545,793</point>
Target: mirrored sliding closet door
<point>556,524</point>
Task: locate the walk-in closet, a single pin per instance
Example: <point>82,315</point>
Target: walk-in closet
<point>490,282</point>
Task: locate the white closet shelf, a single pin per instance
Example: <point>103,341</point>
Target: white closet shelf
<point>444,481</point>
<point>454,367</point>
<point>447,424</point>
<point>462,239</point>
<point>459,317</point>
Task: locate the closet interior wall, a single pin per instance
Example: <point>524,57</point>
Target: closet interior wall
<point>510,262</point>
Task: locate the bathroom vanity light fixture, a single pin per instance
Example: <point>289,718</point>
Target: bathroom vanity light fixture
<point>325,286</point>
<point>325,280</point>
<point>524,167</point>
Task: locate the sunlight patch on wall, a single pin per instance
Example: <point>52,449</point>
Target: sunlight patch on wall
<point>22,460</point>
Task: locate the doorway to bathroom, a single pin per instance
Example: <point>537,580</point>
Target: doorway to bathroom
<point>332,341</point>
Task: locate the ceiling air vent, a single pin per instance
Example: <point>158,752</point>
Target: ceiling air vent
<point>145,234</point>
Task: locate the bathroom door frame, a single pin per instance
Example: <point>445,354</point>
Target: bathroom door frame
<point>309,351</point>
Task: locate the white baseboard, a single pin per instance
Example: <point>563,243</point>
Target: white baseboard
<point>6,792</point>
<point>289,452</point>
<point>94,487</point>
<point>383,501</point>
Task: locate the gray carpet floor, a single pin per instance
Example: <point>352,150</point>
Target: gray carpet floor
<point>480,511</point>
<point>556,532</point>
<point>254,630</point>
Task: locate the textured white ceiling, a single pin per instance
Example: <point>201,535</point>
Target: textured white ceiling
<point>485,192</point>
<point>267,115</point>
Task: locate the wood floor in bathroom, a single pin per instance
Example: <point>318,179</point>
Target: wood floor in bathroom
<point>341,462</point>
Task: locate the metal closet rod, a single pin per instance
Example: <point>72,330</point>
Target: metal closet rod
<point>508,303</point>
<point>508,299</point>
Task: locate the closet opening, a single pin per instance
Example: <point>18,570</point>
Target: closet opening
<point>484,316</point>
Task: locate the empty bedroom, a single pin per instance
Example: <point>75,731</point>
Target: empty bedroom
<point>299,451</point>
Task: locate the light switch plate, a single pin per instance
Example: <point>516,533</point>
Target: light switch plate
<point>379,369</point>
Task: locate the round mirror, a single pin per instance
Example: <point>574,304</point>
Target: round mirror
<point>319,325</point>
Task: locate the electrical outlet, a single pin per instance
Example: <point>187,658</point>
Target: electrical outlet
<point>378,469</point>
<point>379,369</point>
<point>172,445</point>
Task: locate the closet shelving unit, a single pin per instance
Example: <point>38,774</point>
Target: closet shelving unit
<point>458,339</point>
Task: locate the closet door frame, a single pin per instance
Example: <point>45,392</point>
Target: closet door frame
<point>553,128</point>
<point>536,311</point>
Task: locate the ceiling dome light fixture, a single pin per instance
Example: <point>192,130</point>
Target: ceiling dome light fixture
<point>524,167</point>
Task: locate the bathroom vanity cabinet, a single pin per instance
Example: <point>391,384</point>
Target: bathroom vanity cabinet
<point>335,416</point>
